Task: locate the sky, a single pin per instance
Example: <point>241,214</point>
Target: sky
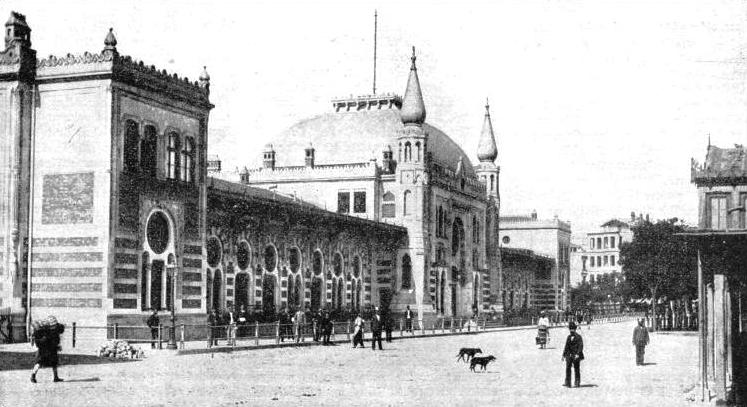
<point>597,106</point>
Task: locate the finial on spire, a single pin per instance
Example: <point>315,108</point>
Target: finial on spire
<point>413,58</point>
<point>413,108</point>
<point>487,151</point>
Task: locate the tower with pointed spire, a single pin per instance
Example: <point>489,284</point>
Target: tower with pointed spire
<point>487,152</point>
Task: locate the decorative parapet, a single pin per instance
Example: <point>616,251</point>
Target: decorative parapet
<point>70,59</point>
<point>304,173</point>
<point>367,102</point>
<point>442,174</point>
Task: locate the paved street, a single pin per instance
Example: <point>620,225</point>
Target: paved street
<point>408,372</point>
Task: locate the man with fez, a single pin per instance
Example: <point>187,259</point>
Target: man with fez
<point>573,354</point>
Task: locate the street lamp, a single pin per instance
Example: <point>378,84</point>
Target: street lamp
<point>172,272</point>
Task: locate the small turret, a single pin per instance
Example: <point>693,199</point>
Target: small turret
<point>309,155</point>
<point>110,44</point>
<point>269,157</point>
<point>17,32</point>
<point>487,151</point>
<point>205,79</point>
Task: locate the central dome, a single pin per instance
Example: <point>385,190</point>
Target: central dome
<point>357,136</point>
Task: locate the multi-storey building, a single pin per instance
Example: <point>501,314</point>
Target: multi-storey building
<point>107,211</point>
<point>376,158</point>
<point>600,253</point>
<point>550,238</point>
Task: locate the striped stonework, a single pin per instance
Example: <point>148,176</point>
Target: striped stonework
<point>66,302</point>
<point>66,287</point>
<point>66,242</point>
<point>126,272</point>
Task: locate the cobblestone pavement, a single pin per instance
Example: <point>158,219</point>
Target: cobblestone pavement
<point>420,371</point>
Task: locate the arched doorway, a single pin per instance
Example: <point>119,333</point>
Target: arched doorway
<point>242,290</point>
<point>406,272</point>
<point>268,295</point>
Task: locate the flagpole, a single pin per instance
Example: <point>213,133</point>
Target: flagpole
<point>376,28</point>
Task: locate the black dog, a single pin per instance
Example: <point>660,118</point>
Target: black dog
<point>468,352</point>
<point>482,361</point>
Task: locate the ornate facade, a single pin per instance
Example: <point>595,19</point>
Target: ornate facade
<point>375,157</point>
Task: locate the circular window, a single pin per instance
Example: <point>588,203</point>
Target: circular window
<point>506,240</point>
<point>337,264</point>
<point>356,266</point>
<point>157,232</point>
<point>317,266</point>
<point>213,251</point>
<point>294,258</point>
<point>270,259</point>
<point>242,255</point>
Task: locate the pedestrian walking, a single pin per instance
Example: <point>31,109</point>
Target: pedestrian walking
<point>326,328</point>
<point>640,340</point>
<point>153,323</point>
<point>286,324</point>
<point>408,320</point>
<point>573,354</point>
<point>299,321</point>
<point>316,320</point>
<point>358,331</point>
<point>376,326</point>
<point>213,321</point>
<point>47,339</point>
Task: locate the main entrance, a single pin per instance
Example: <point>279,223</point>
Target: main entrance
<point>268,295</point>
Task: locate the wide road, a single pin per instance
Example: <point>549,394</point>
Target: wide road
<point>409,372</point>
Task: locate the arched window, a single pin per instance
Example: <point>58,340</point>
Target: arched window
<point>243,255</point>
<point>388,208</point>
<point>408,151</point>
<point>291,293</point>
<point>270,258</point>
<point>475,259</point>
<point>417,151</point>
<point>294,259</point>
<point>400,152</point>
<point>149,151</point>
<point>172,166</point>
<point>356,266</point>
<point>406,272</point>
<point>187,160</point>
<point>406,203</point>
<point>131,140</point>
<point>337,264</point>
<point>317,263</point>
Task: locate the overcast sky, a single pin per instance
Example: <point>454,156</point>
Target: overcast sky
<point>598,106</point>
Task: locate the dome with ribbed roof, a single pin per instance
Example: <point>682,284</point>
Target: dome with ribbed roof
<point>357,136</point>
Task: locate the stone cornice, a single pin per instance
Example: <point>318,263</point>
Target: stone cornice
<point>303,173</point>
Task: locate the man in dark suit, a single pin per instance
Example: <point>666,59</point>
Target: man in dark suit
<point>408,320</point>
<point>377,323</point>
<point>153,324</point>
<point>573,354</point>
<point>640,340</point>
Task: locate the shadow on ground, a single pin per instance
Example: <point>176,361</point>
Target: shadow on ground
<point>25,360</point>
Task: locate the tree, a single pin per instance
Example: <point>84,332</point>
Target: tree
<point>659,264</point>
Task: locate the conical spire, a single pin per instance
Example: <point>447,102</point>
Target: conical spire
<point>413,108</point>
<point>487,151</point>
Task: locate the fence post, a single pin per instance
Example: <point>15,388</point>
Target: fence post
<point>434,327</point>
<point>256,333</point>
<point>116,329</point>
<point>347,330</point>
<point>277,333</point>
<point>400,327</point>
<point>181,344</point>
<point>73,334</point>
<point>460,325</point>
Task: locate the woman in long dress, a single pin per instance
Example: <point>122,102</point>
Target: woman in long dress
<point>47,339</point>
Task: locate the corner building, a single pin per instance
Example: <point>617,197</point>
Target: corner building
<point>375,157</point>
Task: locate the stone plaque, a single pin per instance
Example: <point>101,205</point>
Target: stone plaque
<point>67,198</point>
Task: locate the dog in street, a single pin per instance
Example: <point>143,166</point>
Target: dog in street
<point>468,353</point>
<point>482,361</point>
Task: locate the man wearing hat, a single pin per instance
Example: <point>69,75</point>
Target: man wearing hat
<point>573,354</point>
<point>640,340</point>
<point>376,326</point>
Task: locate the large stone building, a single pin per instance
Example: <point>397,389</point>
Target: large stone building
<point>375,157</point>
<point>107,210</point>
<point>545,237</point>
<point>599,254</point>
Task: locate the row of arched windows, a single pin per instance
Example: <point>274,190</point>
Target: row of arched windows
<point>489,182</point>
<point>141,152</point>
